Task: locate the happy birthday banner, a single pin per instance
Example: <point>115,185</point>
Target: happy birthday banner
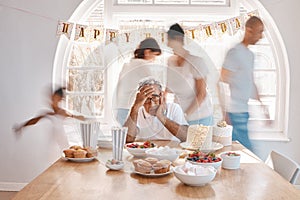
<point>85,33</point>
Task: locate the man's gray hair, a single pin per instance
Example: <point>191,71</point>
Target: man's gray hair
<point>149,81</point>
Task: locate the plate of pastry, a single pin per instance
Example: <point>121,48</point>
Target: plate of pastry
<point>152,174</point>
<point>79,154</point>
<point>152,167</point>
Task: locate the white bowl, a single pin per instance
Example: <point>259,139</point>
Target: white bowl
<point>216,165</point>
<point>137,152</point>
<point>230,162</point>
<point>195,180</point>
<point>163,154</point>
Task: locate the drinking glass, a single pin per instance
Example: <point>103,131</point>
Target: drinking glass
<point>118,137</point>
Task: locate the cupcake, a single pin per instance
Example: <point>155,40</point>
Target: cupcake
<point>69,153</point>
<point>76,147</point>
<point>151,160</point>
<point>142,166</point>
<point>162,166</point>
<point>80,153</point>
<point>90,152</point>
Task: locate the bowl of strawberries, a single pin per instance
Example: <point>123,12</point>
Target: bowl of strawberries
<point>204,159</point>
<point>138,149</point>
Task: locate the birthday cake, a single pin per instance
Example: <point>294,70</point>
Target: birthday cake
<point>222,133</point>
<point>199,137</point>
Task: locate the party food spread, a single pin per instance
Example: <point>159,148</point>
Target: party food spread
<point>77,151</point>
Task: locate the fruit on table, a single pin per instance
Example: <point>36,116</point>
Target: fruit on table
<point>146,144</point>
<point>198,156</point>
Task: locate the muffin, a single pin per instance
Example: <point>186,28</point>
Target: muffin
<point>69,153</point>
<point>142,166</point>
<point>162,166</point>
<point>80,153</point>
<point>151,160</point>
<point>75,147</point>
<point>90,152</point>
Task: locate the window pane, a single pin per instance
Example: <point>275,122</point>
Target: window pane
<point>171,1</point>
<point>266,82</point>
<point>210,2</point>
<point>264,59</point>
<point>86,55</point>
<point>87,80</point>
<point>134,1</point>
<point>176,2</point>
<point>88,105</point>
<point>257,112</point>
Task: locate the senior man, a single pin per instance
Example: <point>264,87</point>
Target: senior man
<point>151,118</point>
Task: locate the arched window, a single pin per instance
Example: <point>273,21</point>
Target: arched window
<point>91,76</point>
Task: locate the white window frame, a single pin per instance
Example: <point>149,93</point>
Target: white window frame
<point>279,133</point>
<point>113,12</point>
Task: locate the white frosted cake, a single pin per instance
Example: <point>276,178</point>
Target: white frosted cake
<point>222,133</point>
<point>199,137</point>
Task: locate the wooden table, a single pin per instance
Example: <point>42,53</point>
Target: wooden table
<point>66,180</point>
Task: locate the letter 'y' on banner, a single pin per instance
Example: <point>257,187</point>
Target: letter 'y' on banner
<point>64,28</point>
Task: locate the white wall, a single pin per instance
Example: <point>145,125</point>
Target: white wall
<point>28,45</point>
<point>286,15</point>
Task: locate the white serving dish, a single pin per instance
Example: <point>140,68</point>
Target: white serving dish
<point>152,174</point>
<point>230,162</point>
<point>137,152</point>
<point>214,147</point>
<point>195,180</point>
<point>79,159</point>
<point>163,153</point>
<point>216,165</point>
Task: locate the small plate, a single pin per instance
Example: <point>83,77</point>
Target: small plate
<point>80,159</point>
<point>152,174</point>
<point>115,166</point>
<point>214,147</point>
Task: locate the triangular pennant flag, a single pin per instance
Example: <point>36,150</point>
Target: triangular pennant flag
<point>111,35</point>
<point>65,28</point>
<point>81,32</point>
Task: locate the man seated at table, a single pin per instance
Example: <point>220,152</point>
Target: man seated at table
<point>151,118</point>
